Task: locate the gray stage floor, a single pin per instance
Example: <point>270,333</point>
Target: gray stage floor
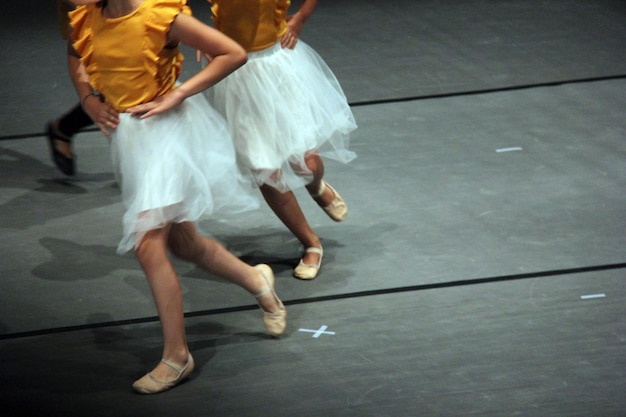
<point>480,272</point>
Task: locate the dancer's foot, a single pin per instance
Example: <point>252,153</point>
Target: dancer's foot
<point>60,148</point>
<point>274,312</point>
<point>306,268</point>
<point>165,376</point>
<point>331,202</point>
<point>312,257</point>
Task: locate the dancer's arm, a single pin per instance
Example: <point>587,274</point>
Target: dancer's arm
<point>295,23</point>
<point>226,57</point>
<point>103,115</point>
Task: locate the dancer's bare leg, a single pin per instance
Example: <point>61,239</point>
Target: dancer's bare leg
<point>286,207</point>
<point>316,165</point>
<point>168,298</point>
<point>186,243</point>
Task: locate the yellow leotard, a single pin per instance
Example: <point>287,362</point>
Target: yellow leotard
<point>126,58</point>
<point>254,24</point>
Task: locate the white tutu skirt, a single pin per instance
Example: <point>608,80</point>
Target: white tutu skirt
<point>175,167</point>
<point>280,106</point>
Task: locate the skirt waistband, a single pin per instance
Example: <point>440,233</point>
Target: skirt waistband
<point>264,53</point>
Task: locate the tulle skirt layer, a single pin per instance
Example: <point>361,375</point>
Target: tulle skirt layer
<point>176,167</point>
<point>280,106</point>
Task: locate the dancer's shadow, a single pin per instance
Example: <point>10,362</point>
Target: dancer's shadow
<point>73,262</point>
<point>47,198</point>
<point>106,357</point>
<point>277,248</point>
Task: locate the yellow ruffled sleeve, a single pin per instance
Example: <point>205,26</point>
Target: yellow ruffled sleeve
<point>81,36</point>
<point>280,16</point>
<point>158,23</point>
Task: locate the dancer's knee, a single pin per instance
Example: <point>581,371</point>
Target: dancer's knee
<point>151,247</point>
<point>184,243</point>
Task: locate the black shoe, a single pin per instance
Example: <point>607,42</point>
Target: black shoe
<point>66,165</point>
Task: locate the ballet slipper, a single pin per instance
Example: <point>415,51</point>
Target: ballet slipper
<point>306,271</point>
<point>337,209</point>
<point>63,163</point>
<point>150,385</point>
<point>275,323</point>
